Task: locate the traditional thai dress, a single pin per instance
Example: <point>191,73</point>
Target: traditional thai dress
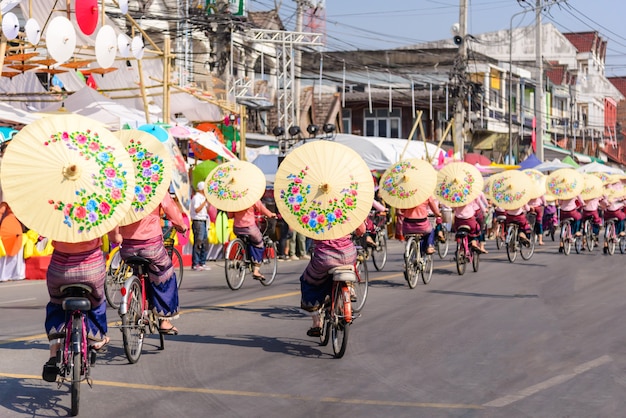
<point>244,223</point>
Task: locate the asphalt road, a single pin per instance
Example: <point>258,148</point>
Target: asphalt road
<point>537,338</point>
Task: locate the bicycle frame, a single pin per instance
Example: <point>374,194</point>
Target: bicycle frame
<point>126,295</point>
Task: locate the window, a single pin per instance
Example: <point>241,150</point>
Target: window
<point>346,120</point>
<point>381,122</point>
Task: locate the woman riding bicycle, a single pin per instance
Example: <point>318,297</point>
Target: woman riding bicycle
<point>570,209</point>
<point>518,216</point>
<point>614,210</point>
<point>466,216</point>
<point>590,211</point>
<point>536,205</point>
<point>416,222</point>
<point>245,224</point>
<point>378,210</point>
<point>315,282</point>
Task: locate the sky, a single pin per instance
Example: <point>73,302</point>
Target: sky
<point>376,24</point>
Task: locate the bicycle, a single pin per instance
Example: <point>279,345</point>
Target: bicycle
<point>515,244</point>
<point>336,314</point>
<point>379,252</point>
<point>566,237</point>
<point>118,271</point>
<point>611,237</point>
<point>500,232</point>
<point>237,261</point>
<point>137,316</point>
<point>416,262</point>
<point>550,221</point>
<point>74,358</point>
<point>441,242</point>
<point>589,237</point>
<point>465,253</point>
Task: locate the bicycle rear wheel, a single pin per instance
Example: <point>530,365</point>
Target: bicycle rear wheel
<point>77,364</point>
<point>475,260</point>
<point>410,263</point>
<point>379,254</point>
<point>427,268</point>
<point>443,245</point>
<point>340,323</point>
<point>177,262</point>
<point>269,265</point>
<point>511,244</point>
<point>461,258</point>
<point>361,285</point>
<point>499,235</point>
<point>117,272</point>
<point>527,250</point>
<point>590,237</point>
<point>566,238</point>
<point>235,264</point>
<point>133,329</point>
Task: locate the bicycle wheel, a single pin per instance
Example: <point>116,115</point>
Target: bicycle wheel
<point>361,285</point>
<point>235,264</point>
<point>499,235</point>
<point>269,265</point>
<point>117,272</point>
<point>475,260</point>
<point>578,244</point>
<point>589,235</point>
<point>325,326</point>
<point>340,325</point>
<point>443,246</point>
<point>77,364</point>
<point>133,329</point>
<point>611,237</point>
<point>411,263</point>
<point>511,243</point>
<point>379,254</point>
<point>177,262</point>
<point>527,250</point>
<point>427,268</point>
<point>461,257</point>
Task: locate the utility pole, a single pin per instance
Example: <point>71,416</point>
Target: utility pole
<point>459,111</point>
<point>539,96</point>
<point>298,59</point>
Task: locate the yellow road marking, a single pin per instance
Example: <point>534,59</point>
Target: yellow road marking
<point>208,391</point>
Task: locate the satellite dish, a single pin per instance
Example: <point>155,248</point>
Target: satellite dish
<point>123,45</point>
<point>10,25</point>
<point>123,6</point>
<point>60,39</point>
<point>33,31</point>
<point>137,47</point>
<point>106,46</point>
<point>87,15</point>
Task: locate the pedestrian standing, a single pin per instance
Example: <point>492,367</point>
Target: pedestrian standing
<point>199,216</point>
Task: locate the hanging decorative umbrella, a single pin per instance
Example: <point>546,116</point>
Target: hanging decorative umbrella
<point>323,190</point>
<point>179,131</point>
<point>408,183</point>
<point>565,183</point>
<point>201,171</point>
<point>539,181</point>
<point>10,232</point>
<point>510,189</point>
<point>592,188</point>
<point>458,183</point>
<point>180,176</point>
<point>234,186</point>
<point>67,177</point>
<point>153,172</point>
<point>158,132</point>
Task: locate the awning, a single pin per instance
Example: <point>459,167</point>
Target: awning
<point>558,152</point>
<point>490,141</point>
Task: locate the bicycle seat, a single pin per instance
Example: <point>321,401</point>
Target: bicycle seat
<point>137,261</point>
<point>343,273</point>
<point>416,236</point>
<point>75,297</point>
<point>564,220</point>
<point>501,218</point>
<point>611,220</point>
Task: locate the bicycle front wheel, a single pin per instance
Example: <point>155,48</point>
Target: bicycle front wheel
<point>133,329</point>
<point>269,265</point>
<point>411,263</point>
<point>527,250</point>
<point>443,245</point>
<point>361,285</point>
<point>177,262</point>
<point>340,323</point>
<point>325,326</point>
<point>379,254</point>
<point>117,272</point>
<point>235,264</point>
<point>427,268</point>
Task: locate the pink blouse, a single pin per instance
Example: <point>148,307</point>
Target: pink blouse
<point>150,226</point>
<point>245,218</point>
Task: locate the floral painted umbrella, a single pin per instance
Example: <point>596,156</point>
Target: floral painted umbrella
<point>408,183</point>
<point>539,181</point>
<point>510,189</point>
<point>153,172</point>
<point>234,186</point>
<point>458,183</point>
<point>68,178</point>
<point>323,190</point>
<point>593,187</point>
<point>565,183</point>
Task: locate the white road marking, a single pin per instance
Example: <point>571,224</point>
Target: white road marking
<point>10,302</point>
<point>556,380</point>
